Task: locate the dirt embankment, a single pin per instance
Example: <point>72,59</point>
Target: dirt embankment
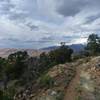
<point>86,83</point>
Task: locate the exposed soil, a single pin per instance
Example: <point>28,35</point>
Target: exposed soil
<point>70,93</point>
<point>86,80</point>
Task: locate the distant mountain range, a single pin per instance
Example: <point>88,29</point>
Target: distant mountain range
<point>32,52</point>
<point>7,51</point>
<point>76,47</point>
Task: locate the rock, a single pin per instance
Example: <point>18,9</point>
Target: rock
<point>53,93</point>
<point>98,66</point>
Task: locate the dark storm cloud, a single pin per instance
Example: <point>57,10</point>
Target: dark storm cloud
<point>92,18</point>
<point>71,7</point>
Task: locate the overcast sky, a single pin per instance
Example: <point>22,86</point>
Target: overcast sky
<point>43,23</point>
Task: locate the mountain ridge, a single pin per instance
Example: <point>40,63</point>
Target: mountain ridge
<point>4,52</point>
<point>76,47</point>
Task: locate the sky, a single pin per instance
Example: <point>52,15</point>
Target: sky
<point>42,23</point>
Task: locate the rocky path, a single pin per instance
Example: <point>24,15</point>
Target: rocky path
<point>87,79</point>
<point>70,91</point>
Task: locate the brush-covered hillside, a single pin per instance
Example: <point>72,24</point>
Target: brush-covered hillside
<point>79,80</point>
<point>59,74</point>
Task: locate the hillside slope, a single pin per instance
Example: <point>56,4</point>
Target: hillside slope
<point>85,84</point>
<point>79,80</point>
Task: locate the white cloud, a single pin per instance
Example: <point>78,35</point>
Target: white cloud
<point>33,20</point>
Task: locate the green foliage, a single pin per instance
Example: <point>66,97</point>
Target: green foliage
<point>46,81</point>
<point>77,56</point>
<point>2,65</point>
<point>16,64</point>
<point>13,67</point>
<point>60,95</point>
<point>78,98</point>
<point>45,61</point>
<point>78,89</point>
<point>61,55</point>
<point>1,95</point>
<point>93,45</point>
<point>4,96</point>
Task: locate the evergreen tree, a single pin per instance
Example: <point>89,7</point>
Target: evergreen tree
<point>93,44</point>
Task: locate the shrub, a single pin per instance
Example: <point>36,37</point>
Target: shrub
<point>93,44</point>
<point>79,89</point>
<point>78,98</point>
<point>4,96</point>
<point>61,55</point>
<point>16,64</point>
<point>60,95</point>
<point>46,81</point>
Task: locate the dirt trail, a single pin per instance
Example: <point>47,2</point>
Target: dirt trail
<point>70,91</point>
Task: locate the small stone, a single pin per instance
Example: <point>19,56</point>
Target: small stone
<point>53,93</point>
